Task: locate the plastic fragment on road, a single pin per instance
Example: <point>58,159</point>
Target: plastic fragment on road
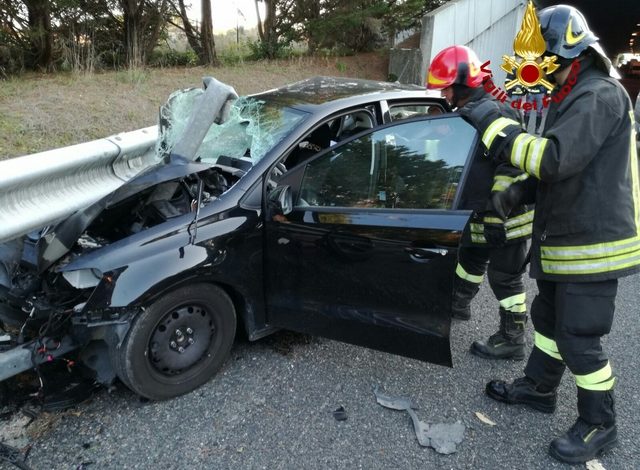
<point>482,417</point>
<point>442,437</point>
<point>445,438</point>
<point>340,414</point>
<point>393,403</point>
<point>594,465</point>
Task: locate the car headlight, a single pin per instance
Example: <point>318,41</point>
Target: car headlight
<point>83,278</point>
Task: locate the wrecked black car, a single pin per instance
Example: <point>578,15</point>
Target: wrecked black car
<point>328,207</point>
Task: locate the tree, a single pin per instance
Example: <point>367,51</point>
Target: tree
<point>349,25</point>
<point>40,34</point>
<point>143,21</point>
<point>200,40</point>
<point>360,25</point>
<point>276,29</point>
<point>209,55</point>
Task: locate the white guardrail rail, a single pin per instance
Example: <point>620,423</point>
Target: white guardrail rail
<point>38,189</point>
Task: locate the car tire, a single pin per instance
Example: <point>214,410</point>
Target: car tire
<point>178,343</point>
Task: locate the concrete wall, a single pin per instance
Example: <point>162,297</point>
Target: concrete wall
<point>405,65</point>
<point>487,26</point>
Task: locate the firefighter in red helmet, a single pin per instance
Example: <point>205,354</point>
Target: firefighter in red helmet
<point>494,240</point>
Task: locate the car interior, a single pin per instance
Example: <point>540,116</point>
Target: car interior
<point>328,134</point>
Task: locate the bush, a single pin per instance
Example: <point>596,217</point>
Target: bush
<point>275,49</point>
<point>163,57</point>
<point>234,54</point>
<point>11,60</point>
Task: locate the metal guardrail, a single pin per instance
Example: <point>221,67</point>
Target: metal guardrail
<point>38,189</point>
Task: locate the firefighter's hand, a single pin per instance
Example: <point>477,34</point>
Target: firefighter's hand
<point>480,114</point>
<point>494,230</point>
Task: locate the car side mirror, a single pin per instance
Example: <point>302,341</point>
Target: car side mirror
<point>280,200</point>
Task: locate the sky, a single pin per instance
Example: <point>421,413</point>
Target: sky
<point>225,13</point>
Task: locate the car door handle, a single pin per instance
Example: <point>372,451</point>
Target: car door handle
<point>424,255</point>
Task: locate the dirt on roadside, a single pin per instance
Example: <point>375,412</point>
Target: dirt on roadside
<point>42,112</point>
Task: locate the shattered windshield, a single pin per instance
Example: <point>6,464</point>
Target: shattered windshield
<point>251,129</point>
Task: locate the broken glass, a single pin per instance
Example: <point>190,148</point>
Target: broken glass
<point>251,129</point>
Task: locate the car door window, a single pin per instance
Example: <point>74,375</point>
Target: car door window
<point>410,111</point>
<point>414,165</point>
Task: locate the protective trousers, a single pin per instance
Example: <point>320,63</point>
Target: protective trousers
<point>569,320</point>
<point>506,267</point>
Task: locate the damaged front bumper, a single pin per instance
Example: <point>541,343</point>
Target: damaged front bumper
<point>33,354</point>
<point>38,334</point>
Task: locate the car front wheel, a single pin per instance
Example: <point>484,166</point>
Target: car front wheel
<point>178,343</point>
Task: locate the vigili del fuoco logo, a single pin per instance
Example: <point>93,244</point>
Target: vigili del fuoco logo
<point>528,66</point>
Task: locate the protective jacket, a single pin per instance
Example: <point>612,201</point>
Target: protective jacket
<point>485,180</point>
<point>585,228</point>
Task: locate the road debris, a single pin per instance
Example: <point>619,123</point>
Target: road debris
<point>594,465</point>
<point>446,437</point>
<point>443,437</point>
<point>13,431</point>
<point>340,414</point>
<point>13,456</point>
<point>482,417</point>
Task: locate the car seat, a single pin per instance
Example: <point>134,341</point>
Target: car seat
<point>315,142</point>
<point>354,124</point>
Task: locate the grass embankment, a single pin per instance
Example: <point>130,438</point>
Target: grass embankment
<point>42,112</point>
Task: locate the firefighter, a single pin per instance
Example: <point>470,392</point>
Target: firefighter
<point>586,229</point>
<point>494,239</point>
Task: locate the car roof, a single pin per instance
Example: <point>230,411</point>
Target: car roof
<point>320,92</point>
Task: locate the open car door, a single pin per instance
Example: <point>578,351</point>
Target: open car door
<point>367,254</point>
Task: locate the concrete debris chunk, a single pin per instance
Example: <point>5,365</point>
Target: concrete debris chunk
<point>443,438</point>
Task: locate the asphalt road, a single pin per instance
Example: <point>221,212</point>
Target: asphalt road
<point>271,407</point>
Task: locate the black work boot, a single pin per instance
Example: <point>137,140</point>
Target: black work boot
<point>584,442</point>
<point>508,342</point>
<point>522,391</point>
<point>463,292</point>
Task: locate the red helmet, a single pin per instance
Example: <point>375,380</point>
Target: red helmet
<point>455,65</point>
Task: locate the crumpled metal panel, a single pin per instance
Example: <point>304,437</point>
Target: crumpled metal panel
<point>38,189</point>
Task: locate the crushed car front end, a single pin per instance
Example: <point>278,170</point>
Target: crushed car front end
<point>82,288</point>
